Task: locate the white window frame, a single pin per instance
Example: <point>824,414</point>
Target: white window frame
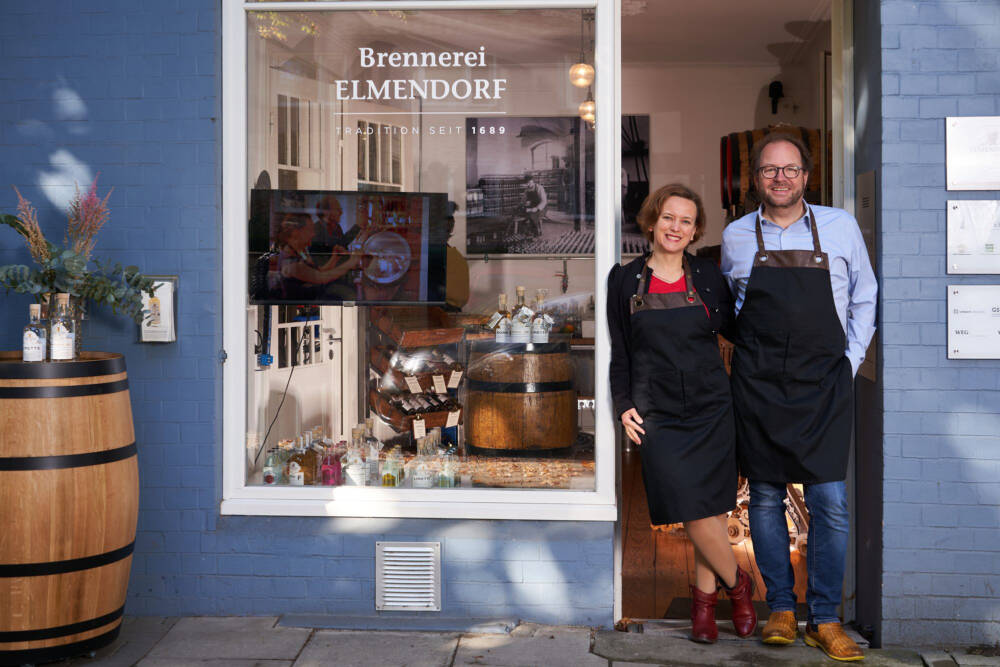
<point>522,504</point>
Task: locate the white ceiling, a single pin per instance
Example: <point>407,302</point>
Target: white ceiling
<point>720,31</point>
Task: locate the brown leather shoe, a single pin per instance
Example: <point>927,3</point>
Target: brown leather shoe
<point>781,628</point>
<point>831,638</point>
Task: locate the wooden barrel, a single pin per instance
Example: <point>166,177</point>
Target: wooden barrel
<point>69,489</point>
<point>520,398</point>
<point>735,176</point>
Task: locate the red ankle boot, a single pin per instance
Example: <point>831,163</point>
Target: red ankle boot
<point>741,595</point>
<point>703,628</point>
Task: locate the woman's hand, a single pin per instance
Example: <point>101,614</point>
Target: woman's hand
<point>631,421</point>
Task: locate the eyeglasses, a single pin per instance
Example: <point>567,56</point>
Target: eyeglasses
<point>789,170</point>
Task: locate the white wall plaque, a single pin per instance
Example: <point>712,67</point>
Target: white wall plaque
<point>160,322</point>
<point>973,236</point>
<point>974,321</point>
<point>973,152</point>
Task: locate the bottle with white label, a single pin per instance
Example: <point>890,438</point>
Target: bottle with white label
<point>355,472</point>
<point>520,327</point>
<point>542,323</point>
<point>503,325</point>
<point>34,342</point>
<point>62,331</point>
<point>373,450</point>
<point>423,476</point>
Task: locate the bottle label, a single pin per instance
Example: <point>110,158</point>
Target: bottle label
<point>540,329</point>
<point>62,342</point>
<point>355,474</point>
<point>422,478</point>
<point>503,330</point>
<point>295,475</point>
<point>33,347</point>
<point>269,477</point>
<point>494,320</point>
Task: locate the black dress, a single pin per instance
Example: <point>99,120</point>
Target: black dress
<point>666,364</point>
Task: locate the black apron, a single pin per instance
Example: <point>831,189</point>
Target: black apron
<point>791,379</point>
<point>680,389</point>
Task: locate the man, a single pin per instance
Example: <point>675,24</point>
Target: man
<point>535,201</point>
<point>805,301</point>
<point>330,237</point>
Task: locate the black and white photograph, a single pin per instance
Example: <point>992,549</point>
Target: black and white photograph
<point>635,180</point>
<point>529,186</point>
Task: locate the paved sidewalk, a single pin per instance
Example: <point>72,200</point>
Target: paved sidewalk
<point>263,642</point>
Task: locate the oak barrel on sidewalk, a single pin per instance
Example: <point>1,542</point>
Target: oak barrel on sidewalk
<point>521,397</point>
<point>69,493</point>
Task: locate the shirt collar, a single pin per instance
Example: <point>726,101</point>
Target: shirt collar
<point>805,219</point>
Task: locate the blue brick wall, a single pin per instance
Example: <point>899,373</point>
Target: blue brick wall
<point>942,417</point>
<point>131,90</point>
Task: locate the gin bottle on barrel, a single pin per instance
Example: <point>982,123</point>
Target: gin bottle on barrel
<point>34,342</point>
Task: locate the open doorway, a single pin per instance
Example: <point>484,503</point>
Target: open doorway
<point>712,79</point>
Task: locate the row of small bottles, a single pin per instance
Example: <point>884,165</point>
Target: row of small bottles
<point>522,324</point>
<point>55,341</point>
<point>418,404</point>
<point>310,460</point>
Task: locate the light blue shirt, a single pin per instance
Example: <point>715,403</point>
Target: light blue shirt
<point>851,275</point>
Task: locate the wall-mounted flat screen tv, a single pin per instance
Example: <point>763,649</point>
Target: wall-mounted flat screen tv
<point>331,247</point>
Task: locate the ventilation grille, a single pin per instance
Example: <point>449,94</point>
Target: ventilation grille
<point>408,576</point>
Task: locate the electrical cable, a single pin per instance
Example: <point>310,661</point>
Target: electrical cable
<point>263,444</point>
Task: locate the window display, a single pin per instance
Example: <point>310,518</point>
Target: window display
<point>390,157</point>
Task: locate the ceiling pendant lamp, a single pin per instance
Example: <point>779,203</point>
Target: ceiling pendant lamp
<point>581,74</point>
<point>588,108</point>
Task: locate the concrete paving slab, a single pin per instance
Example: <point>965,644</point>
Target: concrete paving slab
<point>551,631</point>
<point>364,649</point>
<point>681,629</point>
<point>936,658</point>
<point>254,638</point>
<point>969,659</point>
<point>668,650</point>
<point>139,634</point>
<point>187,662</point>
<point>558,649</point>
<point>400,623</point>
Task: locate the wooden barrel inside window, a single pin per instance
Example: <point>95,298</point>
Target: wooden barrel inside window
<point>69,489</point>
<point>521,397</point>
<point>735,169</point>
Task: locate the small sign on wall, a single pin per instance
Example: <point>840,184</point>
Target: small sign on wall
<point>159,325</point>
<point>973,236</point>
<point>973,152</point>
<point>974,321</point>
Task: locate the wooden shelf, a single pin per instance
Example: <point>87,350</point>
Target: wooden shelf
<point>416,327</point>
<point>402,422</point>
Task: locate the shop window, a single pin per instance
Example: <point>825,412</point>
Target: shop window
<point>421,302</point>
<point>380,157</point>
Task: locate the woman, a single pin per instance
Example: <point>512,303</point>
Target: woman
<point>301,278</point>
<point>672,395</point>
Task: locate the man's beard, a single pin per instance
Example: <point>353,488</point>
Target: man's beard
<point>770,202</point>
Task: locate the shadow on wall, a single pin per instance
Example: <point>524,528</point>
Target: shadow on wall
<point>546,572</point>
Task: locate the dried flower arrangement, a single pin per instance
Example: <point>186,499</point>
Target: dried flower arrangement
<point>69,268</point>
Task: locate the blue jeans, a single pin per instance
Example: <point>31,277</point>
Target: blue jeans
<point>825,553</point>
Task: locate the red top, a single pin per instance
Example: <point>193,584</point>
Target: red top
<point>657,286</point>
